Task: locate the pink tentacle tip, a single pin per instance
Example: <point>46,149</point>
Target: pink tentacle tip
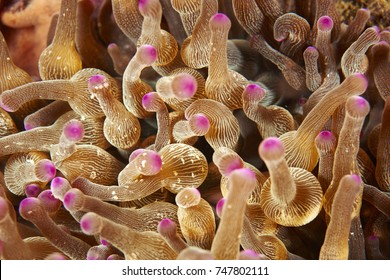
<point>325,23</point>
<point>271,146</point>
<point>219,206</point>
<point>28,204</point>
<point>104,242</point>
<point>244,173</point>
<point>234,165</point>
<point>220,19</point>
<point>186,86</point>
<point>47,197</point>
<point>362,78</point>
<point>165,223</point>
<point>359,105</point>
<point>29,126</point>
<point>156,161</point>
<point>32,190</point>
<point>148,100</point>
<point>70,198</point>
<point>356,178</point>
<point>57,183</point>
<point>74,130</point>
<point>148,162</point>
<point>96,82</point>
<point>142,5</point>
<point>148,54</point>
<point>135,154</point>
<point>326,135</point>
<point>250,253</point>
<point>202,122</point>
<point>112,46</point>
<point>377,29</point>
<point>47,169</point>
<point>253,91</point>
<point>90,223</point>
<point>311,49</point>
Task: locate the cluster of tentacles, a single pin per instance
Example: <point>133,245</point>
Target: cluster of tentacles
<point>197,129</point>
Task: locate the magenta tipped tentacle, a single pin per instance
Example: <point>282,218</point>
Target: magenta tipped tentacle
<point>271,148</point>
<point>59,186</point>
<point>135,245</point>
<point>73,131</point>
<point>90,224</point>
<point>50,203</point>
<point>71,200</point>
<point>32,209</point>
<point>325,135</point>
<point>199,124</point>
<point>32,190</point>
<point>147,162</point>
<point>184,86</point>
<point>325,23</point>
<point>45,170</point>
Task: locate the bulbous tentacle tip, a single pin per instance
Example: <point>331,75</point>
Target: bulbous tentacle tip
<point>91,223</point>
<point>199,123</point>
<point>28,126</point>
<point>220,20</point>
<point>104,242</point>
<point>358,106</point>
<point>97,82</point>
<point>32,190</point>
<point>45,170</point>
<point>73,199</point>
<point>271,148</point>
<point>188,197</point>
<point>359,78</point>
<point>48,199</point>
<point>112,46</point>
<point>355,178</point>
<point>249,254</point>
<point>147,162</point>
<point>28,205</point>
<point>135,154</point>
<point>184,86</point>
<point>312,49</point>
<point>326,135</point>
<point>59,186</point>
<point>147,54</point>
<point>149,101</point>
<point>166,225</point>
<point>325,23</point>
<point>74,130</point>
<point>97,79</point>
<point>244,174</point>
<point>145,5</point>
<point>253,91</point>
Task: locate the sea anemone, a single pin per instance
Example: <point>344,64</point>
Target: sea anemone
<point>199,129</point>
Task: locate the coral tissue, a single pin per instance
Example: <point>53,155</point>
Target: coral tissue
<point>199,129</point>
